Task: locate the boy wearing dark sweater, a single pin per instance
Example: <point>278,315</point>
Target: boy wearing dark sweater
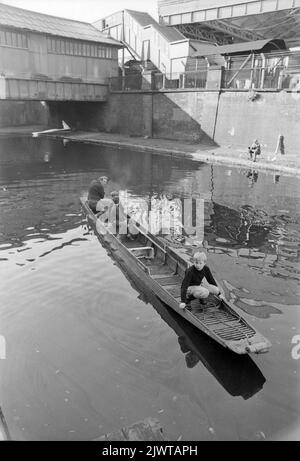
<point>192,286</point>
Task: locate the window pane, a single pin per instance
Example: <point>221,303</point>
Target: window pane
<point>2,37</point>
<point>14,39</point>
<point>25,41</point>
<point>8,38</point>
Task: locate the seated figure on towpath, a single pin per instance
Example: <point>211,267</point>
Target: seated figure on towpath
<point>254,150</point>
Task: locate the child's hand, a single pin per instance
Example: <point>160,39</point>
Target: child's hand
<point>182,305</point>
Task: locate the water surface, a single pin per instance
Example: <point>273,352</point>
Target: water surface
<point>89,350</point>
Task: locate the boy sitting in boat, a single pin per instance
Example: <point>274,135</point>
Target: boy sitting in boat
<point>192,286</point>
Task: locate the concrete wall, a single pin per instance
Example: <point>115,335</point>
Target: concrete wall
<point>240,120</point>
<point>184,116</point>
<point>226,118</point>
<point>207,117</point>
<point>23,113</point>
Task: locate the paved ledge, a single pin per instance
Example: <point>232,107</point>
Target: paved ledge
<point>22,130</point>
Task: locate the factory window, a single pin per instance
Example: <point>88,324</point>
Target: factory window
<point>13,39</point>
<point>72,47</point>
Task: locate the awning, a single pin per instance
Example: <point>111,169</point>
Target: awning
<point>244,47</point>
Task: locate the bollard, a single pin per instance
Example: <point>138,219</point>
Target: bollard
<point>280,145</point>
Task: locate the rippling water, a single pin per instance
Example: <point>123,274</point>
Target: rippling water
<point>89,350</point>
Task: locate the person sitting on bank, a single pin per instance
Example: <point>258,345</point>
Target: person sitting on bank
<point>254,150</point>
<point>96,193</point>
<point>192,286</point>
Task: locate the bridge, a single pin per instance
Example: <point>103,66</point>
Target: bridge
<point>228,21</point>
<point>49,58</point>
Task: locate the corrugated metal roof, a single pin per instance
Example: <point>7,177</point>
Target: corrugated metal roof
<point>171,34</point>
<point>144,19</point>
<point>43,23</point>
<point>237,47</point>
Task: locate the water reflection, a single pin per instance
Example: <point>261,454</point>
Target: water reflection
<point>252,176</point>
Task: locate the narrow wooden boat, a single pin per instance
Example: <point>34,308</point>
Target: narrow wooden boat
<point>162,269</point>
<point>239,375</point>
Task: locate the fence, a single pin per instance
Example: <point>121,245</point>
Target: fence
<point>159,81</point>
<point>274,71</point>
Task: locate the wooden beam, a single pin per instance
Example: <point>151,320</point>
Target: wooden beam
<point>239,70</point>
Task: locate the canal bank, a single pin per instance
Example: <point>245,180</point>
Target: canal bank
<point>198,152</point>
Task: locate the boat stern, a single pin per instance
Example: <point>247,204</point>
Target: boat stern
<point>255,345</point>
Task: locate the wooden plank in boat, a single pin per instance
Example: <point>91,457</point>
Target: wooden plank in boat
<point>171,280</point>
<point>173,290</point>
<point>159,269</point>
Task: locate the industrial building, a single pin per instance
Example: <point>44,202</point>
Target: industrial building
<point>47,57</point>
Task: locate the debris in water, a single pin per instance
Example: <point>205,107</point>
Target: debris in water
<point>179,438</point>
<point>161,411</point>
<point>57,371</point>
<point>211,430</point>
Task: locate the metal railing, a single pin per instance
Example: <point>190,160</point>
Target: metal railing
<point>274,71</point>
<point>159,81</point>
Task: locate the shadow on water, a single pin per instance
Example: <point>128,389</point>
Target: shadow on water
<point>239,375</point>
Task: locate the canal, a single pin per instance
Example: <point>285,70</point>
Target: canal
<point>89,350</point>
